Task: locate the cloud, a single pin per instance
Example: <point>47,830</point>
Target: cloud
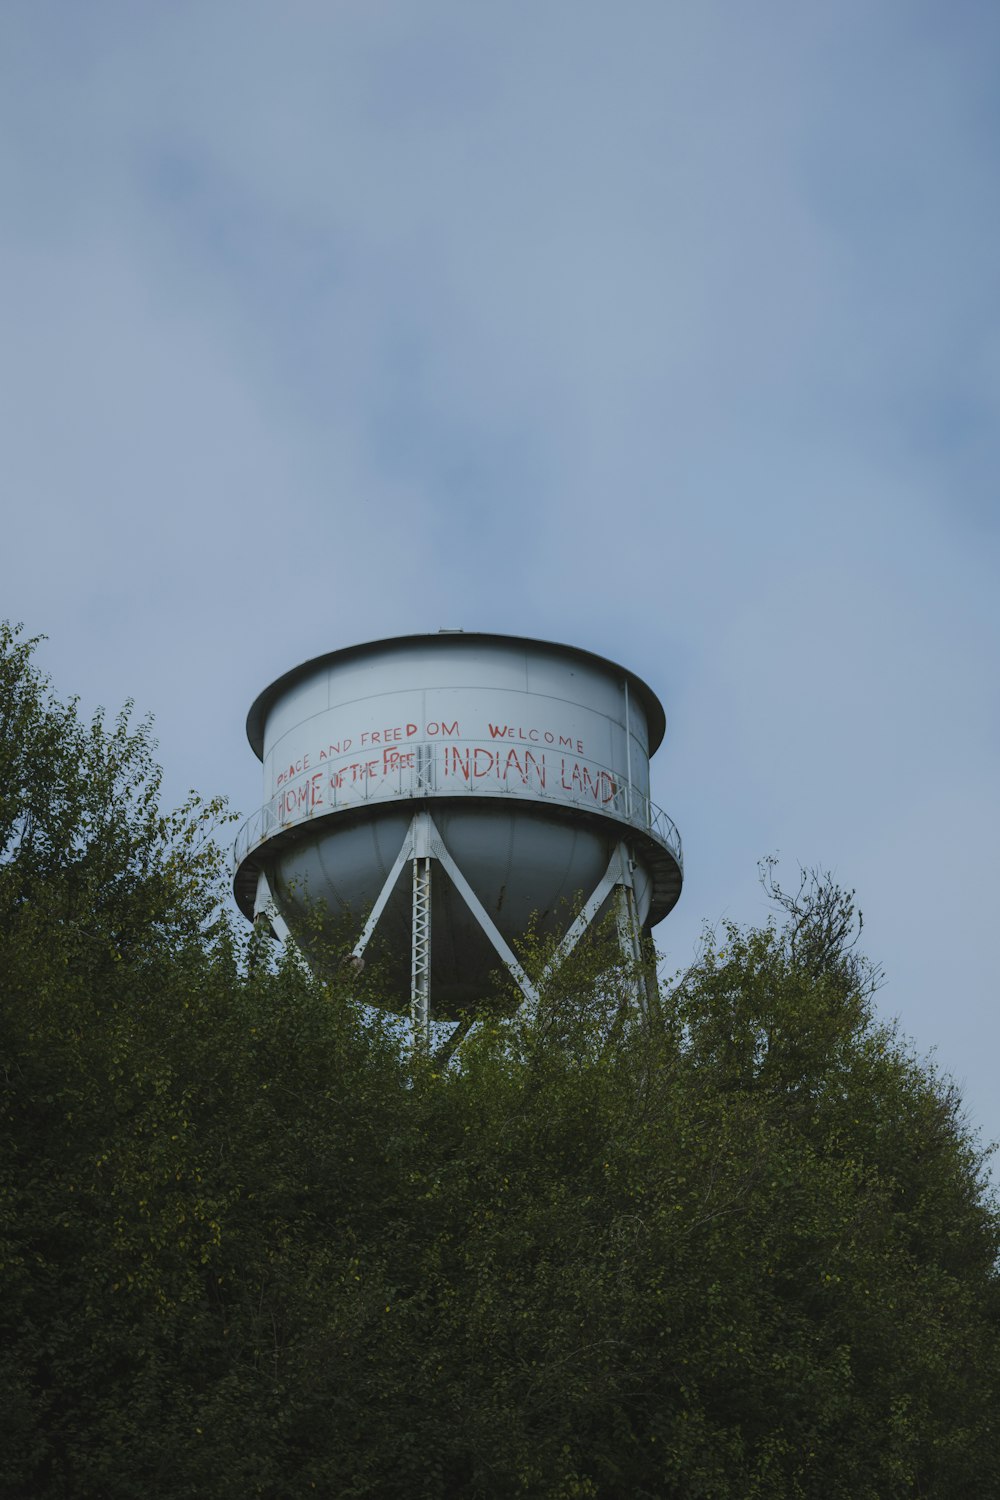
<point>666,333</point>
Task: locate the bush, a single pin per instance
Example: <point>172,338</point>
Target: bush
<point>737,1244</point>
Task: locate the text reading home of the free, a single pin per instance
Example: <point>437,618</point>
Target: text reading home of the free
<point>301,785</point>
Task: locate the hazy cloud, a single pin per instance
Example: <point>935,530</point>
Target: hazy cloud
<point>670,333</point>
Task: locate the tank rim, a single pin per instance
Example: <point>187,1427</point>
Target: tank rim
<point>655,716</point>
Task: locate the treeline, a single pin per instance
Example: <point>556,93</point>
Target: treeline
<point>738,1245</point>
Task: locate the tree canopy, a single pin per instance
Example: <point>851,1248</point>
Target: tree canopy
<point>736,1244</point>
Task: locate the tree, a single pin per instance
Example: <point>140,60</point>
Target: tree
<point>737,1245</point>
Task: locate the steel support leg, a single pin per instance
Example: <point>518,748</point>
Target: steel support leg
<point>616,880</point>
<point>643,982</point>
<point>420,969</point>
<point>614,875</point>
<point>481,915</point>
<point>265,910</point>
<point>627,922</point>
<point>382,900</point>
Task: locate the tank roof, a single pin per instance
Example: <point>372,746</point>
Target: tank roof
<point>262,704</point>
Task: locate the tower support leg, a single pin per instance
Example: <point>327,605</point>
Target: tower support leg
<point>627,923</point>
<point>618,873</point>
<point>382,900</point>
<point>265,910</point>
<point>420,968</point>
<point>617,879</point>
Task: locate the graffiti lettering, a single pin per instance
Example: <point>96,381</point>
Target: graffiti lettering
<point>534,736</point>
<point>295,769</point>
<point>506,766</point>
<point>481,762</point>
<point>580,779</point>
<point>388,736</point>
<point>397,760</point>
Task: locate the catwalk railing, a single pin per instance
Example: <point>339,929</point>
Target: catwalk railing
<point>434,769</point>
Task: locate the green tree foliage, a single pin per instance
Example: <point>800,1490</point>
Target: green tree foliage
<point>737,1245</point>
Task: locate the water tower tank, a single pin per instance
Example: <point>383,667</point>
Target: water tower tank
<point>532,760</point>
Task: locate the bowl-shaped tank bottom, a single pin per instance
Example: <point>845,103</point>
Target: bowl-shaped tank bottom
<point>523,863</point>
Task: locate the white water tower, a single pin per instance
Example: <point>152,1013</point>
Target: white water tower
<point>440,792</point>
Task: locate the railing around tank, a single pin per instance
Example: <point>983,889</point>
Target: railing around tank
<point>443,770</point>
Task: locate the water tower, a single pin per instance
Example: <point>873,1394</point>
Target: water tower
<point>442,791</point>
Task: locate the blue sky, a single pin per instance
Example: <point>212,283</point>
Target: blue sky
<point>670,331</point>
